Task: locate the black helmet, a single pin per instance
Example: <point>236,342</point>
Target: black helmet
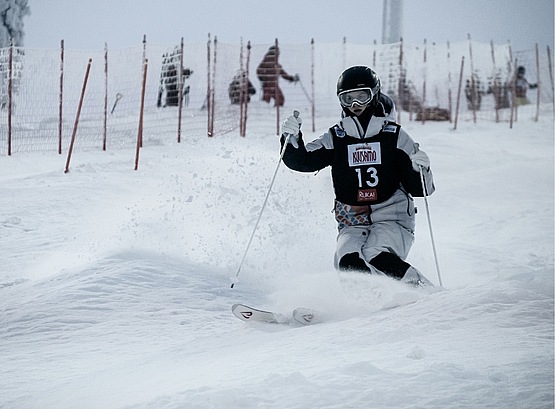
<point>357,77</point>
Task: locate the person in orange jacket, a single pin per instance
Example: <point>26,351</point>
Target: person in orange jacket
<point>268,71</point>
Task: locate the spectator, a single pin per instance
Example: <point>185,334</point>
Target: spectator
<point>521,85</point>
<point>473,92</point>
<point>240,81</point>
<point>269,70</point>
<point>169,83</point>
<point>500,91</point>
<point>172,90</point>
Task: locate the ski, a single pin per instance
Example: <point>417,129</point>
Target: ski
<point>302,316</point>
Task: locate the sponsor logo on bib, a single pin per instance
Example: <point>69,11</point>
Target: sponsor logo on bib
<point>362,154</point>
<point>367,195</point>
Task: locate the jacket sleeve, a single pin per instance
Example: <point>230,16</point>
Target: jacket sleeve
<point>410,179</point>
<point>284,74</point>
<point>317,156</point>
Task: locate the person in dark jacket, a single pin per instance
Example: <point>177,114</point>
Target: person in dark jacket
<point>269,71</point>
<point>240,86</point>
<point>376,170</point>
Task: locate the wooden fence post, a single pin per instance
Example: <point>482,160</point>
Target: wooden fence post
<point>72,143</point>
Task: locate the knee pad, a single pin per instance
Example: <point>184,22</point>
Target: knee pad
<point>353,262</point>
<point>390,264</point>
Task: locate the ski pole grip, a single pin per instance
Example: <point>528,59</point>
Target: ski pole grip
<point>296,115</point>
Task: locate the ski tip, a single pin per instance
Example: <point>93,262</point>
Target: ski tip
<point>306,316</point>
<point>246,313</point>
<point>242,312</point>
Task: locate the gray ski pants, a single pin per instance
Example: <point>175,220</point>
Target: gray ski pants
<point>386,227</point>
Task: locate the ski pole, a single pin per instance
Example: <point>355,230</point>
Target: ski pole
<point>287,137</point>
<point>304,90</point>
<point>430,222</point>
<point>118,97</point>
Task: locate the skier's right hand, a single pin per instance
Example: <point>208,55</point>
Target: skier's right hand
<point>291,126</point>
<point>420,160</point>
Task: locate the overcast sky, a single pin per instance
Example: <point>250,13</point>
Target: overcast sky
<point>88,24</point>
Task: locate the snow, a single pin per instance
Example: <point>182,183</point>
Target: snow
<point>115,284</point>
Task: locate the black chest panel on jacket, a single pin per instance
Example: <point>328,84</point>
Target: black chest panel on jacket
<point>366,171</point>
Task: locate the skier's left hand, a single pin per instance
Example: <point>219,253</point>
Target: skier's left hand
<point>419,159</point>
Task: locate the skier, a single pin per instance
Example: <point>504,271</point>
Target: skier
<point>268,71</point>
<point>375,167</point>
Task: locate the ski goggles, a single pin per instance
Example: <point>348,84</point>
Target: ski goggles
<point>361,97</point>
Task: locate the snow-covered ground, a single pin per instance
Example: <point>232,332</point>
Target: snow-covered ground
<point>115,284</point>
